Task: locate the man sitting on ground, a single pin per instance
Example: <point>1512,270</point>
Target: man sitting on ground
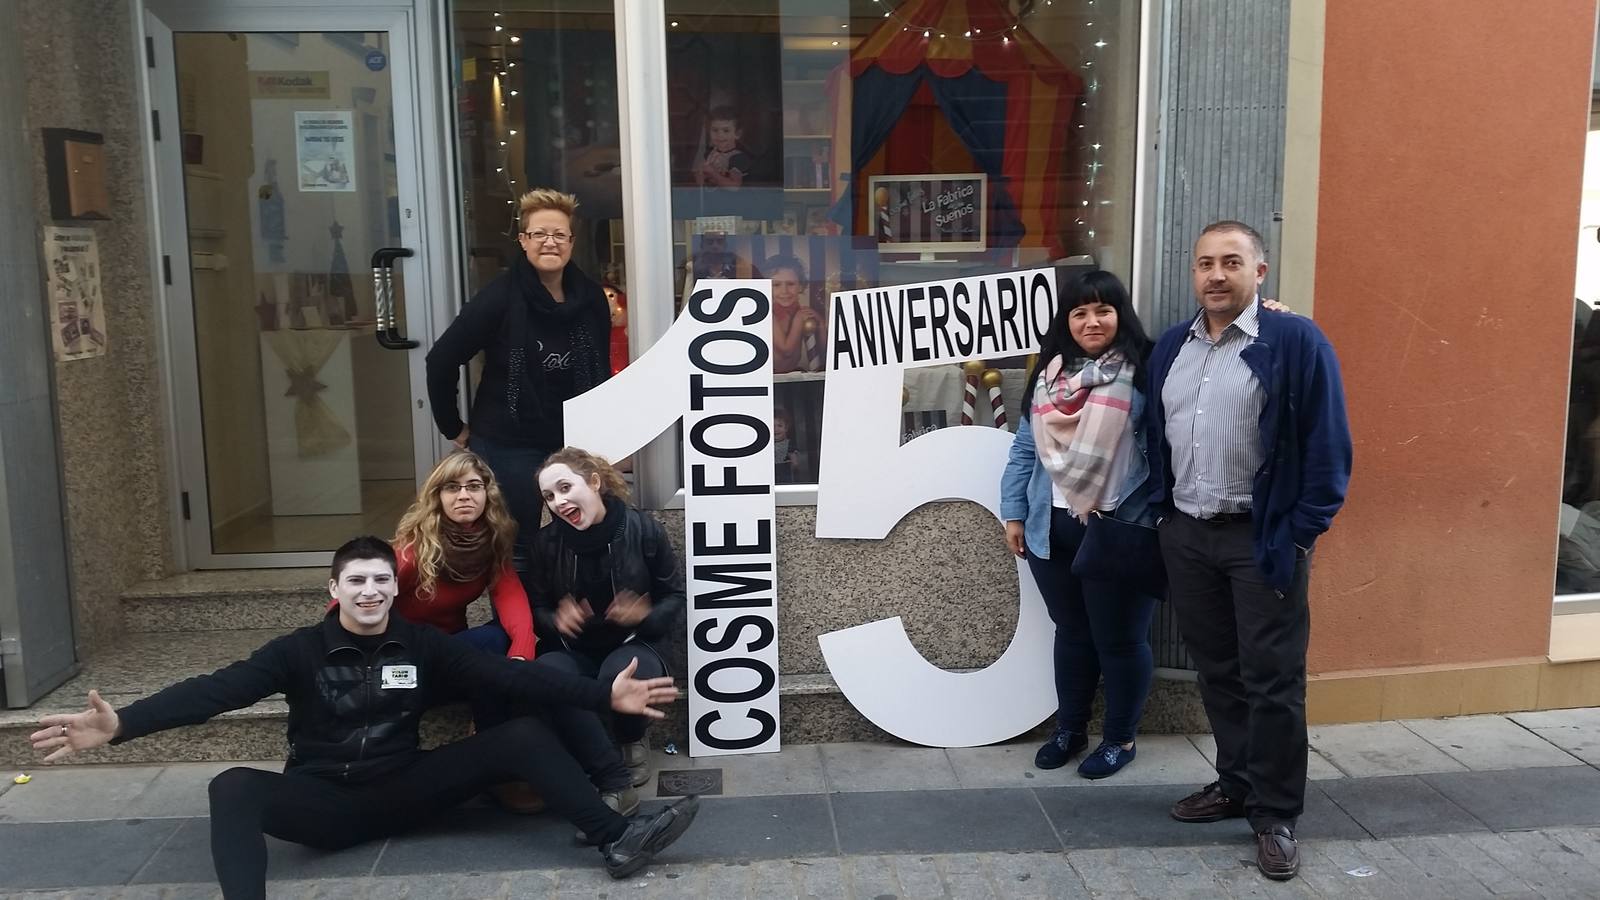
<point>357,685</point>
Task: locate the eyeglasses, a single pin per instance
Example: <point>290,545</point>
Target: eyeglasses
<point>539,237</point>
<point>471,487</point>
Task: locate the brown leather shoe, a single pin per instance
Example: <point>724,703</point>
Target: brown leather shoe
<point>1277,853</point>
<point>1209,804</point>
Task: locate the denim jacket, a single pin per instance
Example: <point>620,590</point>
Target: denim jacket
<point>1025,485</point>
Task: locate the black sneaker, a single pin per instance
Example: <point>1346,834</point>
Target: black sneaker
<point>648,835</point>
<point>1062,747</point>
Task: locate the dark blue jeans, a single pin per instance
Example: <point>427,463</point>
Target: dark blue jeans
<point>516,468</point>
<point>1102,628</point>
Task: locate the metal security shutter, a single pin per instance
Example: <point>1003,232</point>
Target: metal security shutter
<point>1222,94</point>
<point>1223,101</point>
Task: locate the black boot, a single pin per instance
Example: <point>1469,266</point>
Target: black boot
<point>647,835</point>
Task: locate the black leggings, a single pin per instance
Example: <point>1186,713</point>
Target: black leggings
<point>605,669</point>
<point>247,804</point>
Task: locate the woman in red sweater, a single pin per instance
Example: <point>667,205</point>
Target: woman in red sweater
<point>453,544</point>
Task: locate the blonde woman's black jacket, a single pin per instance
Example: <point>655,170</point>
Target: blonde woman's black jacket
<point>352,715</point>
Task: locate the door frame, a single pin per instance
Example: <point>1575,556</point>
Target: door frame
<point>424,157</point>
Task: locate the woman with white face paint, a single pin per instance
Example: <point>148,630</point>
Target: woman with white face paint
<point>606,581</point>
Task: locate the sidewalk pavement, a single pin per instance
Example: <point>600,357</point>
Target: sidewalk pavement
<point>1482,806</point>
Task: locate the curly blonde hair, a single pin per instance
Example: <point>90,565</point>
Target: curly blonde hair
<point>540,199</point>
<point>420,526</point>
<point>587,465</point>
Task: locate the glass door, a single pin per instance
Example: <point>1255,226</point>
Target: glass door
<point>289,180</point>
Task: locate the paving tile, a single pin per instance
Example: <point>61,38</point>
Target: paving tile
<point>74,793</point>
<point>868,876</point>
<point>755,828</point>
<point>484,840</point>
<point>1004,765</point>
<point>1128,816</point>
<point>1317,767</point>
<point>1379,748</point>
<point>1576,731</point>
<point>1139,816</point>
<point>187,858</point>
<point>1161,759</point>
<point>1525,798</point>
<point>959,821</point>
<point>1035,876</point>
<point>181,789</point>
<point>1490,742</point>
<point>75,854</point>
<point>796,769</point>
<point>865,766</point>
<point>1399,805</point>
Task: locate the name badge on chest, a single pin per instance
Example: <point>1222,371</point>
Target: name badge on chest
<point>399,677</point>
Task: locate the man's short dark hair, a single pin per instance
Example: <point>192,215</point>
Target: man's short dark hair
<point>1238,227</point>
<point>363,547</point>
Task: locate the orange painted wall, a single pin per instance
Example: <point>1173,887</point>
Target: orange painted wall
<point>1451,171</point>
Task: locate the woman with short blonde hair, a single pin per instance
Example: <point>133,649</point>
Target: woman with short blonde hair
<point>543,327</point>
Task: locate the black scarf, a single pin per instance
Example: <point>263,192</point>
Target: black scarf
<point>532,308</point>
<point>597,537</point>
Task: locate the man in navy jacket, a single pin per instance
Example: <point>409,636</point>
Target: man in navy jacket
<point>1253,463</point>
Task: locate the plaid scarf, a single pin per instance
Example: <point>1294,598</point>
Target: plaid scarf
<point>1078,424</point>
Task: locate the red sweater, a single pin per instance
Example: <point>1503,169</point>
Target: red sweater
<point>447,610</point>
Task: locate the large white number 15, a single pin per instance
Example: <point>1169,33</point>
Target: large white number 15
<point>869,481</point>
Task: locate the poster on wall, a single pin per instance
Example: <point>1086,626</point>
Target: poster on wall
<point>77,308</point>
<point>325,149</point>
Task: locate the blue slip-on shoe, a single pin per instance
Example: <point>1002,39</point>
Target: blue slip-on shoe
<point>1060,749</point>
<point>1106,760</point>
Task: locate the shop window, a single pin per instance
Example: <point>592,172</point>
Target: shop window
<point>1578,544</point>
<point>536,95</point>
<point>849,144</point>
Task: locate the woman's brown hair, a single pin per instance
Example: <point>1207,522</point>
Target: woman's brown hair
<point>587,465</point>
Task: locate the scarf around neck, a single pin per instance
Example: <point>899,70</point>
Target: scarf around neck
<point>468,551</point>
<point>1079,420</point>
<point>532,309</point>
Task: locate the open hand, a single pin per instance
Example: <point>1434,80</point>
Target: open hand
<point>1275,306</point>
<point>638,697</point>
<point>572,615</point>
<point>628,609</point>
<point>64,734</point>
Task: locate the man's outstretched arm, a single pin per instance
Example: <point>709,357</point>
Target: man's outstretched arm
<point>188,702</point>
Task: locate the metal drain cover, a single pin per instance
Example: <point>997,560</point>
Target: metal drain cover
<point>683,782</point>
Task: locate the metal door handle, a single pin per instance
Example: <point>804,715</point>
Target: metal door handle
<point>388,329</point>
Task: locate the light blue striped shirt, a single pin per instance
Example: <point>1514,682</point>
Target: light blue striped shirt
<point>1213,408</point>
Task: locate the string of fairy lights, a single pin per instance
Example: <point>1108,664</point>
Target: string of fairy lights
<point>503,88</point>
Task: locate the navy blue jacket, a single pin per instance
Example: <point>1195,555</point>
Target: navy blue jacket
<point>1305,437</point>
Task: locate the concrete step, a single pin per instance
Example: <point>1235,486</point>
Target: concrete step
<point>226,601</point>
<point>813,711</point>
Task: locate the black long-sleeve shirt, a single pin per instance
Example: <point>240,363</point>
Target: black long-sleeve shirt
<point>355,702</point>
<point>501,409</point>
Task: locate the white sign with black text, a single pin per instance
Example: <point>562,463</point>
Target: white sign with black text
<point>869,481</point>
<point>712,369</point>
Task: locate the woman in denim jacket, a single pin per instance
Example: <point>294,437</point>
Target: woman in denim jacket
<point>1080,450</point>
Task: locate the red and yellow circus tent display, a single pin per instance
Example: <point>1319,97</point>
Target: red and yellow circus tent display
<point>949,86</point>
